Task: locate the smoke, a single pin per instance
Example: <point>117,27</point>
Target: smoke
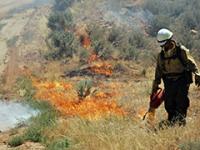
<point>14,113</point>
<point>34,4</point>
<point>126,14</point>
<point>123,13</point>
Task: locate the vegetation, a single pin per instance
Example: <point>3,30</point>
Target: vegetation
<point>61,25</point>
<point>46,118</point>
<point>59,144</point>
<point>128,132</point>
<point>180,16</point>
<point>16,141</point>
<point>84,88</point>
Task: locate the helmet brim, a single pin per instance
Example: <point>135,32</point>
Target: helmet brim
<point>162,43</point>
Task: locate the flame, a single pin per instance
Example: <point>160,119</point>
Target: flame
<point>102,68</point>
<point>81,31</point>
<point>150,116</point>
<point>86,42</point>
<point>141,112</point>
<point>92,58</point>
<point>63,98</point>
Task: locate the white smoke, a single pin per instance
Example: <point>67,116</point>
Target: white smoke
<point>124,13</point>
<point>127,14</point>
<point>14,113</point>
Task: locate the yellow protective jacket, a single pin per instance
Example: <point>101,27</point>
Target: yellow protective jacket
<point>169,64</point>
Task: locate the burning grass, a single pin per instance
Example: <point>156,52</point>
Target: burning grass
<point>64,98</point>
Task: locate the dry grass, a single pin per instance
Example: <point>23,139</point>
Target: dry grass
<point>130,132</point>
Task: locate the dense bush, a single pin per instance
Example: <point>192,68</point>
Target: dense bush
<point>60,21</point>
<point>59,144</point>
<point>16,141</point>
<point>61,38</point>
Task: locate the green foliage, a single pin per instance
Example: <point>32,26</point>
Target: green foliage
<point>84,55</point>
<point>60,21</point>
<point>45,119</point>
<point>33,134</point>
<point>16,141</point>
<point>115,36</point>
<point>61,37</point>
<point>100,41</point>
<point>24,84</point>
<point>130,53</point>
<point>63,41</point>
<point>58,144</point>
<point>190,146</point>
<point>137,39</point>
<point>83,88</point>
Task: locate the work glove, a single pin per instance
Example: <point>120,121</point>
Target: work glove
<point>197,80</point>
<point>155,87</point>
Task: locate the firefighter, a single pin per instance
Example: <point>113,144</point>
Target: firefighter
<point>175,66</point>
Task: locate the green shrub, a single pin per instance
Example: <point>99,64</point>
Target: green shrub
<point>59,144</point>
<point>130,53</point>
<point>16,141</point>
<point>84,55</point>
<point>190,146</point>
<point>33,134</point>
<point>83,88</point>
<point>137,39</point>
<point>63,41</point>
<point>25,84</point>
<point>115,36</point>
<point>45,119</point>
<point>60,21</point>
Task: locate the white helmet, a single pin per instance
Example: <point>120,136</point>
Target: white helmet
<point>164,35</point>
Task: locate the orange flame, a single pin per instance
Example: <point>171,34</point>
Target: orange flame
<point>86,42</point>
<point>150,116</point>
<point>63,97</point>
<point>92,58</point>
<point>102,68</point>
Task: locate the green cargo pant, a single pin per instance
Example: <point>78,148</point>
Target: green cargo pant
<point>176,100</point>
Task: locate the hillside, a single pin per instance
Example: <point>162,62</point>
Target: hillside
<point>87,66</point>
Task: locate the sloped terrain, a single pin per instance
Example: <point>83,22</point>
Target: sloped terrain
<point>100,100</point>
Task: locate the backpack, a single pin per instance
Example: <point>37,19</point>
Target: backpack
<point>187,73</point>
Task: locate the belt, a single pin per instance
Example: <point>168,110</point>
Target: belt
<point>172,75</point>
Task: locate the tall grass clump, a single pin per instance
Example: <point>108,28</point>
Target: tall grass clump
<point>16,141</point>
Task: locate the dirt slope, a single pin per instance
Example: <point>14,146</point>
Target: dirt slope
<point>22,37</point>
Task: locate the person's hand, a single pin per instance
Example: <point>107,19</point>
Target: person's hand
<point>155,87</point>
<point>197,80</point>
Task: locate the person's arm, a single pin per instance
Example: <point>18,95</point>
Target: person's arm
<point>191,64</point>
<point>158,76</point>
